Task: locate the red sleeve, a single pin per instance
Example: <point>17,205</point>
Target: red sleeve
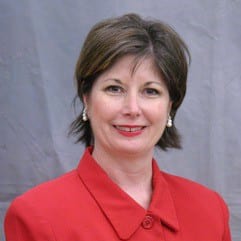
<point>225,211</point>
<point>24,223</point>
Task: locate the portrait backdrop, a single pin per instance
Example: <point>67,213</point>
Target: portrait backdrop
<point>39,45</point>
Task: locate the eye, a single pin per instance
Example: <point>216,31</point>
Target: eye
<point>114,89</point>
<point>151,92</point>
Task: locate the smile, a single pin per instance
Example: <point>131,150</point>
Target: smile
<point>130,131</point>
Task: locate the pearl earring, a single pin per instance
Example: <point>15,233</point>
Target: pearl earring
<point>84,115</point>
<point>169,121</point>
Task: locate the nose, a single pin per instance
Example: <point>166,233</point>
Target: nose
<point>132,105</point>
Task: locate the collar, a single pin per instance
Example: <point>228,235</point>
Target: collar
<point>117,205</point>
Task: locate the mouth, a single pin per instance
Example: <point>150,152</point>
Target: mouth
<point>129,128</point>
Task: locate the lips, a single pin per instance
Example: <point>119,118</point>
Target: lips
<point>130,128</point>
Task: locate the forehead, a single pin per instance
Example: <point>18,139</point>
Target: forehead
<point>131,64</point>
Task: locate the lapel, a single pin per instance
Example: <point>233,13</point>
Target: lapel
<point>124,214</point>
<point>162,203</point>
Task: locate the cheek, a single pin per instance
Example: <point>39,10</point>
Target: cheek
<point>94,111</point>
<point>101,109</point>
<point>158,111</point>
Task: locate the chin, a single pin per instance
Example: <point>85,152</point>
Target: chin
<point>131,149</point>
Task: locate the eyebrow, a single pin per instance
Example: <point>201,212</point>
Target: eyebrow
<point>147,83</point>
<point>118,81</point>
<point>154,82</point>
<point>115,80</point>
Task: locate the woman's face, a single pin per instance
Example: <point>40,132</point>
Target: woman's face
<point>128,110</point>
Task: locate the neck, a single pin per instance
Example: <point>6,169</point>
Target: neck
<point>132,173</point>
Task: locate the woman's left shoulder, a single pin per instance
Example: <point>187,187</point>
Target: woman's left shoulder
<point>198,204</point>
<point>183,188</point>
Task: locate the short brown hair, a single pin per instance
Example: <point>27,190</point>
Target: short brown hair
<point>111,39</point>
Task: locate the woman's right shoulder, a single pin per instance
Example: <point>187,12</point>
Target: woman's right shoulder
<point>49,191</point>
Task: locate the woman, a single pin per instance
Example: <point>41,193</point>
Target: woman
<point>131,77</point>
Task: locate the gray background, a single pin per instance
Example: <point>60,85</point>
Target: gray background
<point>39,45</point>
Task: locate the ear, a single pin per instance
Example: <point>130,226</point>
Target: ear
<point>170,107</point>
<point>85,100</point>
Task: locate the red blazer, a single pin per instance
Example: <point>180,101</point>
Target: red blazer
<point>85,205</point>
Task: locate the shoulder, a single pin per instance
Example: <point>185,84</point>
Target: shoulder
<point>34,208</point>
<point>196,198</point>
<point>47,203</point>
<point>54,186</point>
<point>198,205</point>
<point>46,195</point>
<point>181,184</point>
<point>189,190</point>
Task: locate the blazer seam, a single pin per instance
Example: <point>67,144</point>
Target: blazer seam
<point>221,204</point>
<point>40,216</point>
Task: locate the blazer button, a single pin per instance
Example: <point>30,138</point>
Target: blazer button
<point>148,221</point>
